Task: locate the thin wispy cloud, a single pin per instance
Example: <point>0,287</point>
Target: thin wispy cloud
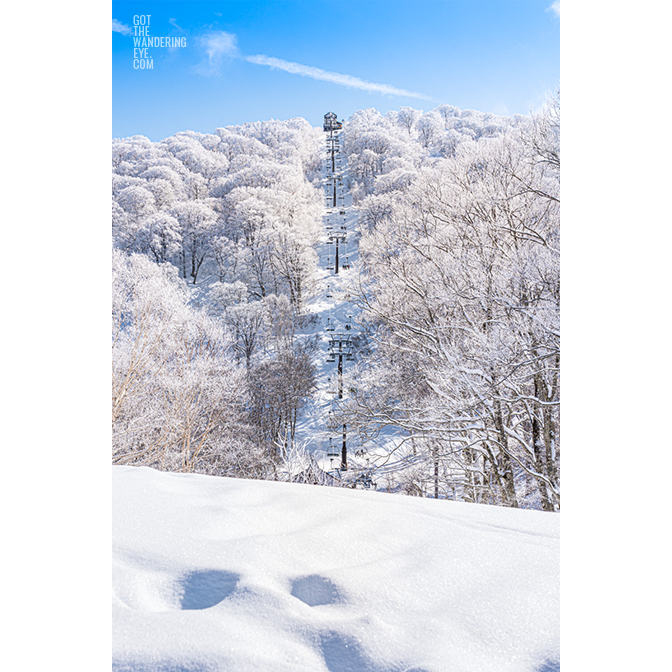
<point>218,45</point>
<point>333,77</point>
<point>119,27</point>
<point>555,8</point>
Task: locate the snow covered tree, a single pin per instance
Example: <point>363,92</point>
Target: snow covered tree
<point>197,228</point>
<point>160,236</point>
<point>460,289</point>
<point>279,388</point>
<point>178,397</point>
<point>246,322</point>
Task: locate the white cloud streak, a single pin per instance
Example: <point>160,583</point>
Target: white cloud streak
<point>219,45</point>
<point>118,27</point>
<point>333,77</point>
<point>555,8</point>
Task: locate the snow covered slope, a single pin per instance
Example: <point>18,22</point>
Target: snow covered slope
<point>334,312</point>
<point>214,574</point>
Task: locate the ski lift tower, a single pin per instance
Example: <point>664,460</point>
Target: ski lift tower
<point>331,123</point>
<point>336,237</point>
<point>341,347</point>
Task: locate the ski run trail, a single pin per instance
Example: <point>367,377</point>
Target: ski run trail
<point>336,323</point>
<point>335,314</point>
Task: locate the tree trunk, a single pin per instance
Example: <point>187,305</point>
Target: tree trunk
<point>509,486</point>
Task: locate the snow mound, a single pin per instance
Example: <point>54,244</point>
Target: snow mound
<point>214,574</point>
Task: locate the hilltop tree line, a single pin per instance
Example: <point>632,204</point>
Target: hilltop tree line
<point>214,252</point>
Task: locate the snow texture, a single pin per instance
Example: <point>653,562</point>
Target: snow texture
<point>213,574</point>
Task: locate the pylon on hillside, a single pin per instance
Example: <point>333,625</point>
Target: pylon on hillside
<point>337,238</point>
<point>341,348</point>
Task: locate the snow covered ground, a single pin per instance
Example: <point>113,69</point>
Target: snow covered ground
<point>214,574</point>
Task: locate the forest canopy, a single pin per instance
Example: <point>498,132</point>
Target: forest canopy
<point>216,265</point>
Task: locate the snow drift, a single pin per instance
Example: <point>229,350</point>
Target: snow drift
<point>214,574</point>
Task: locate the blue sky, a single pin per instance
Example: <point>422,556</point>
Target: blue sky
<point>249,60</point>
